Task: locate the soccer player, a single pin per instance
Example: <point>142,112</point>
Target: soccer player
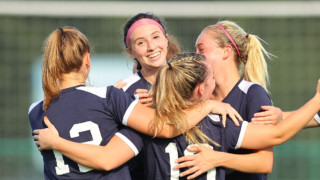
<point>85,114</point>
<point>147,42</point>
<point>237,58</point>
<point>184,82</point>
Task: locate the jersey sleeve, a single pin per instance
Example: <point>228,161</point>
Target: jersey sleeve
<point>235,134</point>
<point>257,97</point>
<point>120,104</point>
<point>317,117</point>
<point>132,138</point>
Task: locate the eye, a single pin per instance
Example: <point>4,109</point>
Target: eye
<point>139,43</point>
<point>156,37</point>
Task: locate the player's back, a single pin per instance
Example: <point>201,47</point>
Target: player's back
<point>161,153</point>
<point>85,115</point>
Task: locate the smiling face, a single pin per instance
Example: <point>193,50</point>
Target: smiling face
<point>148,44</point>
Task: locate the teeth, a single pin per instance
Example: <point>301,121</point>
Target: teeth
<point>154,55</point>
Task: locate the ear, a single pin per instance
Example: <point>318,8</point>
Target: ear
<point>200,89</point>
<point>227,51</point>
<point>87,60</point>
<point>130,53</point>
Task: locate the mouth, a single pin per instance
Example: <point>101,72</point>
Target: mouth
<point>154,55</point>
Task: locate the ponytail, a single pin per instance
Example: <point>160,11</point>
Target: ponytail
<point>172,93</point>
<point>63,53</point>
<point>249,52</point>
<point>256,69</point>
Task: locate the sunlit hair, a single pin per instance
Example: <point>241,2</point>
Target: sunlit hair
<point>63,53</point>
<point>173,90</point>
<point>173,46</point>
<point>252,63</point>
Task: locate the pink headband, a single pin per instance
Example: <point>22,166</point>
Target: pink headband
<point>139,23</point>
<point>225,32</point>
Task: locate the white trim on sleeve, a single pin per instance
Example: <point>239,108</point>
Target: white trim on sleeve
<point>317,118</point>
<point>128,142</point>
<point>241,135</point>
<point>128,112</point>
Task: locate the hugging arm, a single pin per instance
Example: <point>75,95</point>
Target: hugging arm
<point>256,136</point>
<point>206,159</point>
<point>107,157</point>
<point>141,117</point>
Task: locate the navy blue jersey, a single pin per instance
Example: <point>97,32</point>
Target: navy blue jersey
<point>134,82</point>
<point>247,98</point>
<point>85,115</point>
<point>160,153</point>
<point>317,117</point>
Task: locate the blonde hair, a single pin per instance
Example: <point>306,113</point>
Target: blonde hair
<point>63,53</point>
<point>251,51</point>
<point>172,93</point>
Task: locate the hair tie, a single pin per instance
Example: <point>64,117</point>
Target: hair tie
<point>61,30</point>
<point>229,37</point>
<point>170,67</point>
<point>247,36</point>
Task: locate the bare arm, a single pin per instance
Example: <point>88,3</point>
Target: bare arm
<point>107,157</point>
<point>206,159</point>
<point>312,122</point>
<point>261,136</point>
<point>269,116</point>
<point>142,116</point>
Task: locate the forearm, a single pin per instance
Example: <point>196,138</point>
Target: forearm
<point>142,123</point>
<point>108,157</point>
<point>312,122</point>
<point>297,120</point>
<point>258,162</point>
<point>261,136</point>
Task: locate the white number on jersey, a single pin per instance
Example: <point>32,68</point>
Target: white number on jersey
<point>63,168</point>
<point>173,155</point>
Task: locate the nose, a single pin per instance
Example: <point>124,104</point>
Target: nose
<point>151,45</point>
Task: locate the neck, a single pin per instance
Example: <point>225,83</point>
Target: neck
<point>71,80</point>
<point>150,74</point>
<point>225,81</point>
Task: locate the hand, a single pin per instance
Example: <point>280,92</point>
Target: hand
<point>144,97</point>
<point>270,116</point>
<point>120,84</point>
<point>205,159</point>
<point>46,138</point>
<point>225,109</point>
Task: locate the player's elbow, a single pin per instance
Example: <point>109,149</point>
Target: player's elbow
<point>105,165</point>
<point>269,166</point>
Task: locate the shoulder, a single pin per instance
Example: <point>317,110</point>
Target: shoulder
<point>253,90</point>
<point>131,80</point>
<point>247,87</point>
<point>35,105</point>
<point>100,92</point>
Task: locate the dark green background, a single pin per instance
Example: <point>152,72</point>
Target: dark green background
<point>294,73</point>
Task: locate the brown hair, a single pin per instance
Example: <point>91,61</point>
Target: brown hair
<point>63,53</point>
<point>173,46</point>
